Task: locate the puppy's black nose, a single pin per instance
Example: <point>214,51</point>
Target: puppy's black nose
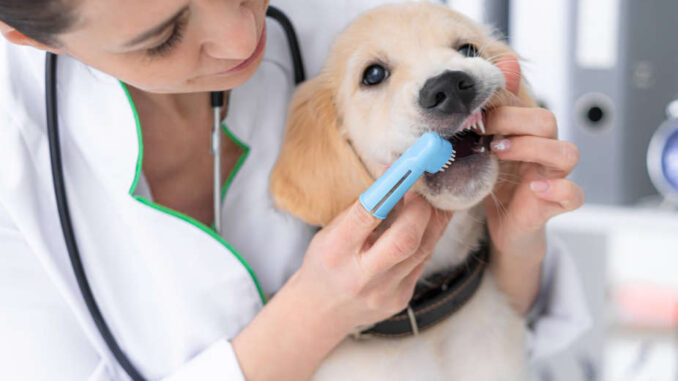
<point>448,93</point>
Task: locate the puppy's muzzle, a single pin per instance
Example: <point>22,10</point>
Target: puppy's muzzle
<point>451,92</point>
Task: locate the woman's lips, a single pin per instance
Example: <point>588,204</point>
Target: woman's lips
<point>257,52</point>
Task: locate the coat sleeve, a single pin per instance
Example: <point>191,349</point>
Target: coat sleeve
<point>42,338</point>
<point>560,314</point>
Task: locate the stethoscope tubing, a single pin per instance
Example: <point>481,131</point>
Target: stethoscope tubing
<point>62,198</point>
<point>67,224</point>
<point>216,101</point>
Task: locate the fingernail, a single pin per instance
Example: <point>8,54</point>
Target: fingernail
<point>500,145</point>
<point>539,186</point>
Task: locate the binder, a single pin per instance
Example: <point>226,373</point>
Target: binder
<point>607,68</point>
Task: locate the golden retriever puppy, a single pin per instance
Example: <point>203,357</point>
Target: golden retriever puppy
<point>395,73</point>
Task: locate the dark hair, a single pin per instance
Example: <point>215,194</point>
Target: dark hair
<point>41,20</point>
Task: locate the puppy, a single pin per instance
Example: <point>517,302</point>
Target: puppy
<point>395,73</point>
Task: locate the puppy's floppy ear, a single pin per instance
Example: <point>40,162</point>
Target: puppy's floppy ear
<point>317,174</point>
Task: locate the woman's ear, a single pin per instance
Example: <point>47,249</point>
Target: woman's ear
<point>14,36</point>
<point>318,174</point>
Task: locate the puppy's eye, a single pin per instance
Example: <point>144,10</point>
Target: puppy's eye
<point>374,75</point>
<point>469,50</point>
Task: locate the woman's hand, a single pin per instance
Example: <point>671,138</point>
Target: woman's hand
<point>363,278</point>
<point>528,197</point>
<point>350,276</point>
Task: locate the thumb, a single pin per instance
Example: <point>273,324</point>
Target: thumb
<point>510,67</point>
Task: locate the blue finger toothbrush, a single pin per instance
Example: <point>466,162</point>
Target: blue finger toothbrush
<point>429,153</point>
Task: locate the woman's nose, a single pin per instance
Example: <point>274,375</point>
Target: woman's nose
<point>230,31</point>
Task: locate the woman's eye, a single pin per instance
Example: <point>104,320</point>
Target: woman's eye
<point>469,50</point>
<point>167,45</point>
<point>374,75</point>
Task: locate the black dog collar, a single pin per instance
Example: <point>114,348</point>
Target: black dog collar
<point>435,299</point>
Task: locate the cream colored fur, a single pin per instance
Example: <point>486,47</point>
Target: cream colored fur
<point>341,136</point>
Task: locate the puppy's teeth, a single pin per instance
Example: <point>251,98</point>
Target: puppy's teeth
<point>481,124</point>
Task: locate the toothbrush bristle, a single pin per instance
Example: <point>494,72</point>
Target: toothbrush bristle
<point>449,161</point>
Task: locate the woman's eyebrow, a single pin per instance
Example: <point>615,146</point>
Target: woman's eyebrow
<point>156,30</point>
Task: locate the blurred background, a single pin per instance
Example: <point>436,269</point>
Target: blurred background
<point>608,69</point>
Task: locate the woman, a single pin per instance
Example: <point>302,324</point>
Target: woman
<point>183,302</point>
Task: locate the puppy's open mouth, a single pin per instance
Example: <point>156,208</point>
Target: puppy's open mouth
<point>472,146</point>
<point>470,139</point>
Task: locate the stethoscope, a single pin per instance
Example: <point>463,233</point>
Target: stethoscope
<point>216,102</point>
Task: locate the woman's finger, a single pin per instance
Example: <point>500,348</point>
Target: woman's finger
<point>409,281</point>
<point>564,193</point>
<point>401,239</point>
<point>435,229</point>
<point>556,154</point>
<point>354,225</point>
<point>521,121</point>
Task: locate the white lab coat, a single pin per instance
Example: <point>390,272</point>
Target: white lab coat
<point>172,292</point>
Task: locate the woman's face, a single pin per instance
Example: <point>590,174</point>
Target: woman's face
<point>170,46</point>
